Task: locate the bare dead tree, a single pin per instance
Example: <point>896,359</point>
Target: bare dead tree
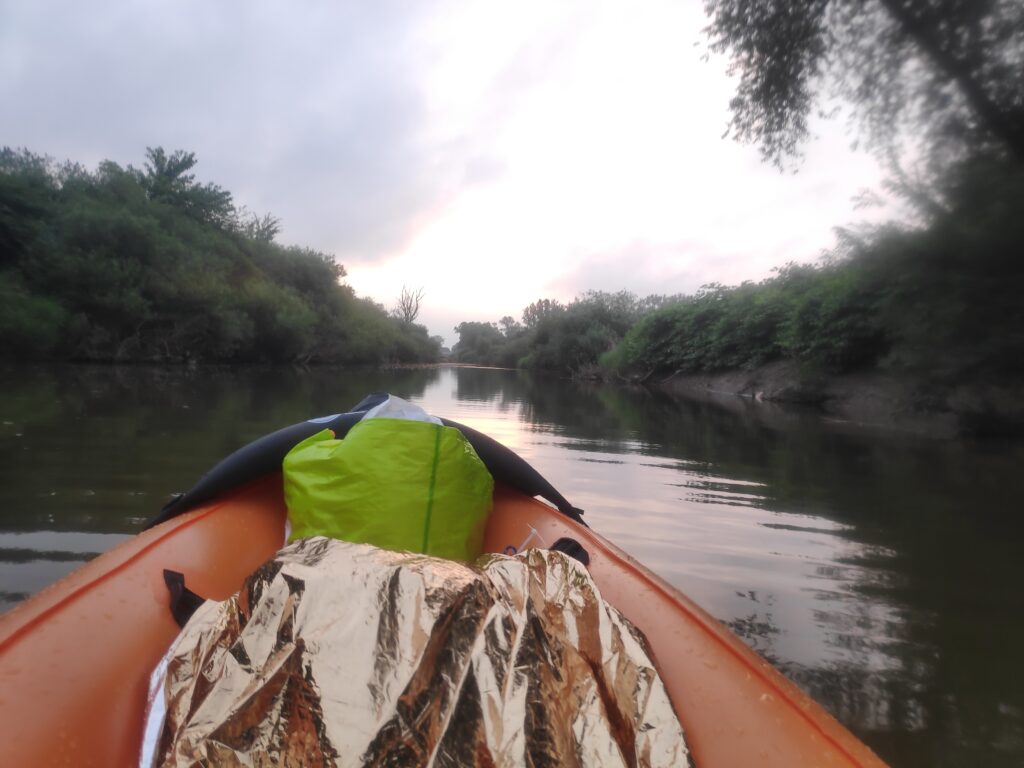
<point>408,308</point>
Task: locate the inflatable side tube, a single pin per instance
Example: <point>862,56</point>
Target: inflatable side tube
<point>511,469</point>
<point>255,460</point>
<point>265,455</point>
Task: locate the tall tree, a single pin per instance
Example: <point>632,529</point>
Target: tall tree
<point>263,228</point>
<point>166,179</point>
<point>947,72</point>
<point>509,326</point>
<point>27,188</point>
<point>540,309</point>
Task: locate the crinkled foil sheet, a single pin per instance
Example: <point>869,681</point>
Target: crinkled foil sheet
<point>345,654</point>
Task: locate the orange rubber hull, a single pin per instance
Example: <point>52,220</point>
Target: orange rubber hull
<point>75,659</point>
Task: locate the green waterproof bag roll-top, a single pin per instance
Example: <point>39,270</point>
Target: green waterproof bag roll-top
<point>394,483</point>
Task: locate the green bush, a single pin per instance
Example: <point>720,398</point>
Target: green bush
<point>568,339</point>
<point>127,264</point>
<point>940,300</point>
<point>30,326</point>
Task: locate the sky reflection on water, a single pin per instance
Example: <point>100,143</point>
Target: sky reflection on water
<point>878,572</point>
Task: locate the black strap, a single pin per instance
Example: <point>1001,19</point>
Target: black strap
<point>184,602</point>
<point>572,548</point>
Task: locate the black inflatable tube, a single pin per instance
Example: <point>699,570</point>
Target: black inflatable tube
<point>265,455</point>
<point>509,468</point>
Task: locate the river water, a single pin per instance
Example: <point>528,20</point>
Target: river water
<point>881,573</point>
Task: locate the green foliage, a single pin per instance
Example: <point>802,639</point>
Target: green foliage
<point>565,338</point>
<point>831,319</point>
<point>26,193</point>
<point>953,289</point>
<point>573,338</point>
<point>945,73</point>
<point>29,325</point>
<point>539,310</point>
<point>165,181</point>
<point>480,343</point>
<point>941,301</point>
<point>122,264</point>
<point>262,228</point>
<point>823,316</point>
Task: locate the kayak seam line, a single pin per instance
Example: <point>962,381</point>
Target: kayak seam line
<point>767,679</point>
<point>15,636</point>
<point>430,490</point>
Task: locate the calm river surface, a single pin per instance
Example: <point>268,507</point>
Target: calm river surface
<point>882,573</point>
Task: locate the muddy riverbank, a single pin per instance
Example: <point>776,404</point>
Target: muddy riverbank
<point>871,399</point>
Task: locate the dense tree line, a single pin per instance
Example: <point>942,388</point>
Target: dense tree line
<point>568,338</point>
<point>931,85</point>
<point>123,264</point>
<point>940,300</point>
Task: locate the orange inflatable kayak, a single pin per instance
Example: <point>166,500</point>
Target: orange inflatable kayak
<point>75,659</point>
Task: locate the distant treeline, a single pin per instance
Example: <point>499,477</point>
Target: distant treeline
<point>942,299</point>
<point>122,264</point>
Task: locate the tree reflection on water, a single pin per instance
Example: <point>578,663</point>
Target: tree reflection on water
<point>878,572</point>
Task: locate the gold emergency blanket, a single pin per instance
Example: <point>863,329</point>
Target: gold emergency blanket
<point>344,654</point>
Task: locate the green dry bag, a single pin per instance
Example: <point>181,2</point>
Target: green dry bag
<point>397,484</point>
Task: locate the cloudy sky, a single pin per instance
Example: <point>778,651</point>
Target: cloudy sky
<point>490,153</point>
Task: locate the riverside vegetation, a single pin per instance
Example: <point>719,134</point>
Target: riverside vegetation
<point>934,302</point>
<point>917,326</point>
<point>123,264</point>
<point>941,299</point>
<point>126,264</point>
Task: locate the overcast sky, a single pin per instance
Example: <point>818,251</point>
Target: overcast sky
<point>490,153</point>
